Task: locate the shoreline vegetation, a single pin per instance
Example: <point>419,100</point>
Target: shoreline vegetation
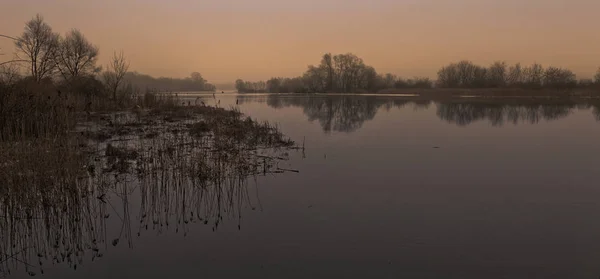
<point>347,73</point>
<point>82,149</point>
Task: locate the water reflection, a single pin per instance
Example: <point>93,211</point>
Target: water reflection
<point>464,114</point>
<point>82,222</point>
<point>335,113</point>
<point>349,113</point>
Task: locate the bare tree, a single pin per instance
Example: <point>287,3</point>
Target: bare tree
<point>466,72</point>
<point>462,74</point>
<point>347,69</point>
<point>76,56</point>
<point>39,46</point>
<point>115,73</point>
<point>13,60</point>
<point>597,77</point>
<point>448,77</point>
<point>421,82</point>
<point>533,75</point>
<point>480,77</point>
<point>389,80</point>
<point>559,78</point>
<point>369,79</point>
<point>327,66</point>
<point>315,79</point>
<point>515,75</point>
<point>497,74</point>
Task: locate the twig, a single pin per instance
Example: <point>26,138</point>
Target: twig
<point>13,61</point>
<point>9,37</point>
<point>296,171</point>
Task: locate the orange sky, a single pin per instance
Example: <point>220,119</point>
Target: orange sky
<point>229,39</point>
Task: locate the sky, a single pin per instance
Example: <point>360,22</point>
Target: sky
<point>258,39</point>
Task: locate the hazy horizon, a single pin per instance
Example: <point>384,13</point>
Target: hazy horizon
<point>226,40</point>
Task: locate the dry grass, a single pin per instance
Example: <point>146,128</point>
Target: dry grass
<point>67,178</point>
<point>25,115</point>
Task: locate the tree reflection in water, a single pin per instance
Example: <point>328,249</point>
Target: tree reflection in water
<point>497,114</point>
<point>345,113</point>
<point>335,113</point>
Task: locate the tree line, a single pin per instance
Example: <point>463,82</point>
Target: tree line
<point>466,74</point>
<point>347,73</point>
<point>195,82</point>
<point>70,62</point>
<point>341,73</point>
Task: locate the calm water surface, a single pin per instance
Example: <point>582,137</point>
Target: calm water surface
<point>394,189</point>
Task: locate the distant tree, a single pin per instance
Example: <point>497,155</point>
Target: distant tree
<point>480,78</point>
<point>422,82</point>
<point>194,82</point>
<point>461,74</point>
<point>76,56</point>
<point>347,68</point>
<point>296,85</point>
<point>389,80</point>
<point>497,74</point>
<point>240,86</point>
<point>115,73</point>
<point>515,75</point>
<point>597,77</point>
<point>466,73</point>
<point>401,83</point>
<point>250,87</point>
<point>416,82</point>
<point>559,78</point>
<point>327,67</point>
<point>370,79</point>
<point>198,83</point>
<point>273,85</point>
<point>316,79</point>
<point>209,87</point>
<point>39,45</point>
<point>533,75</point>
<point>448,77</point>
<point>260,86</point>
<point>197,77</point>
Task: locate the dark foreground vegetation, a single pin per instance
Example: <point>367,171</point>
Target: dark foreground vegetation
<point>78,147</point>
<point>347,73</point>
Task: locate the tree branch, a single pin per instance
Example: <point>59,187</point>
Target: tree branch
<point>14,61</point>
<point>9,37</point>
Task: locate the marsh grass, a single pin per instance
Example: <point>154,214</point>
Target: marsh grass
<point>25,115</point>
<point>42,203</point>
<point>69,178</point>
